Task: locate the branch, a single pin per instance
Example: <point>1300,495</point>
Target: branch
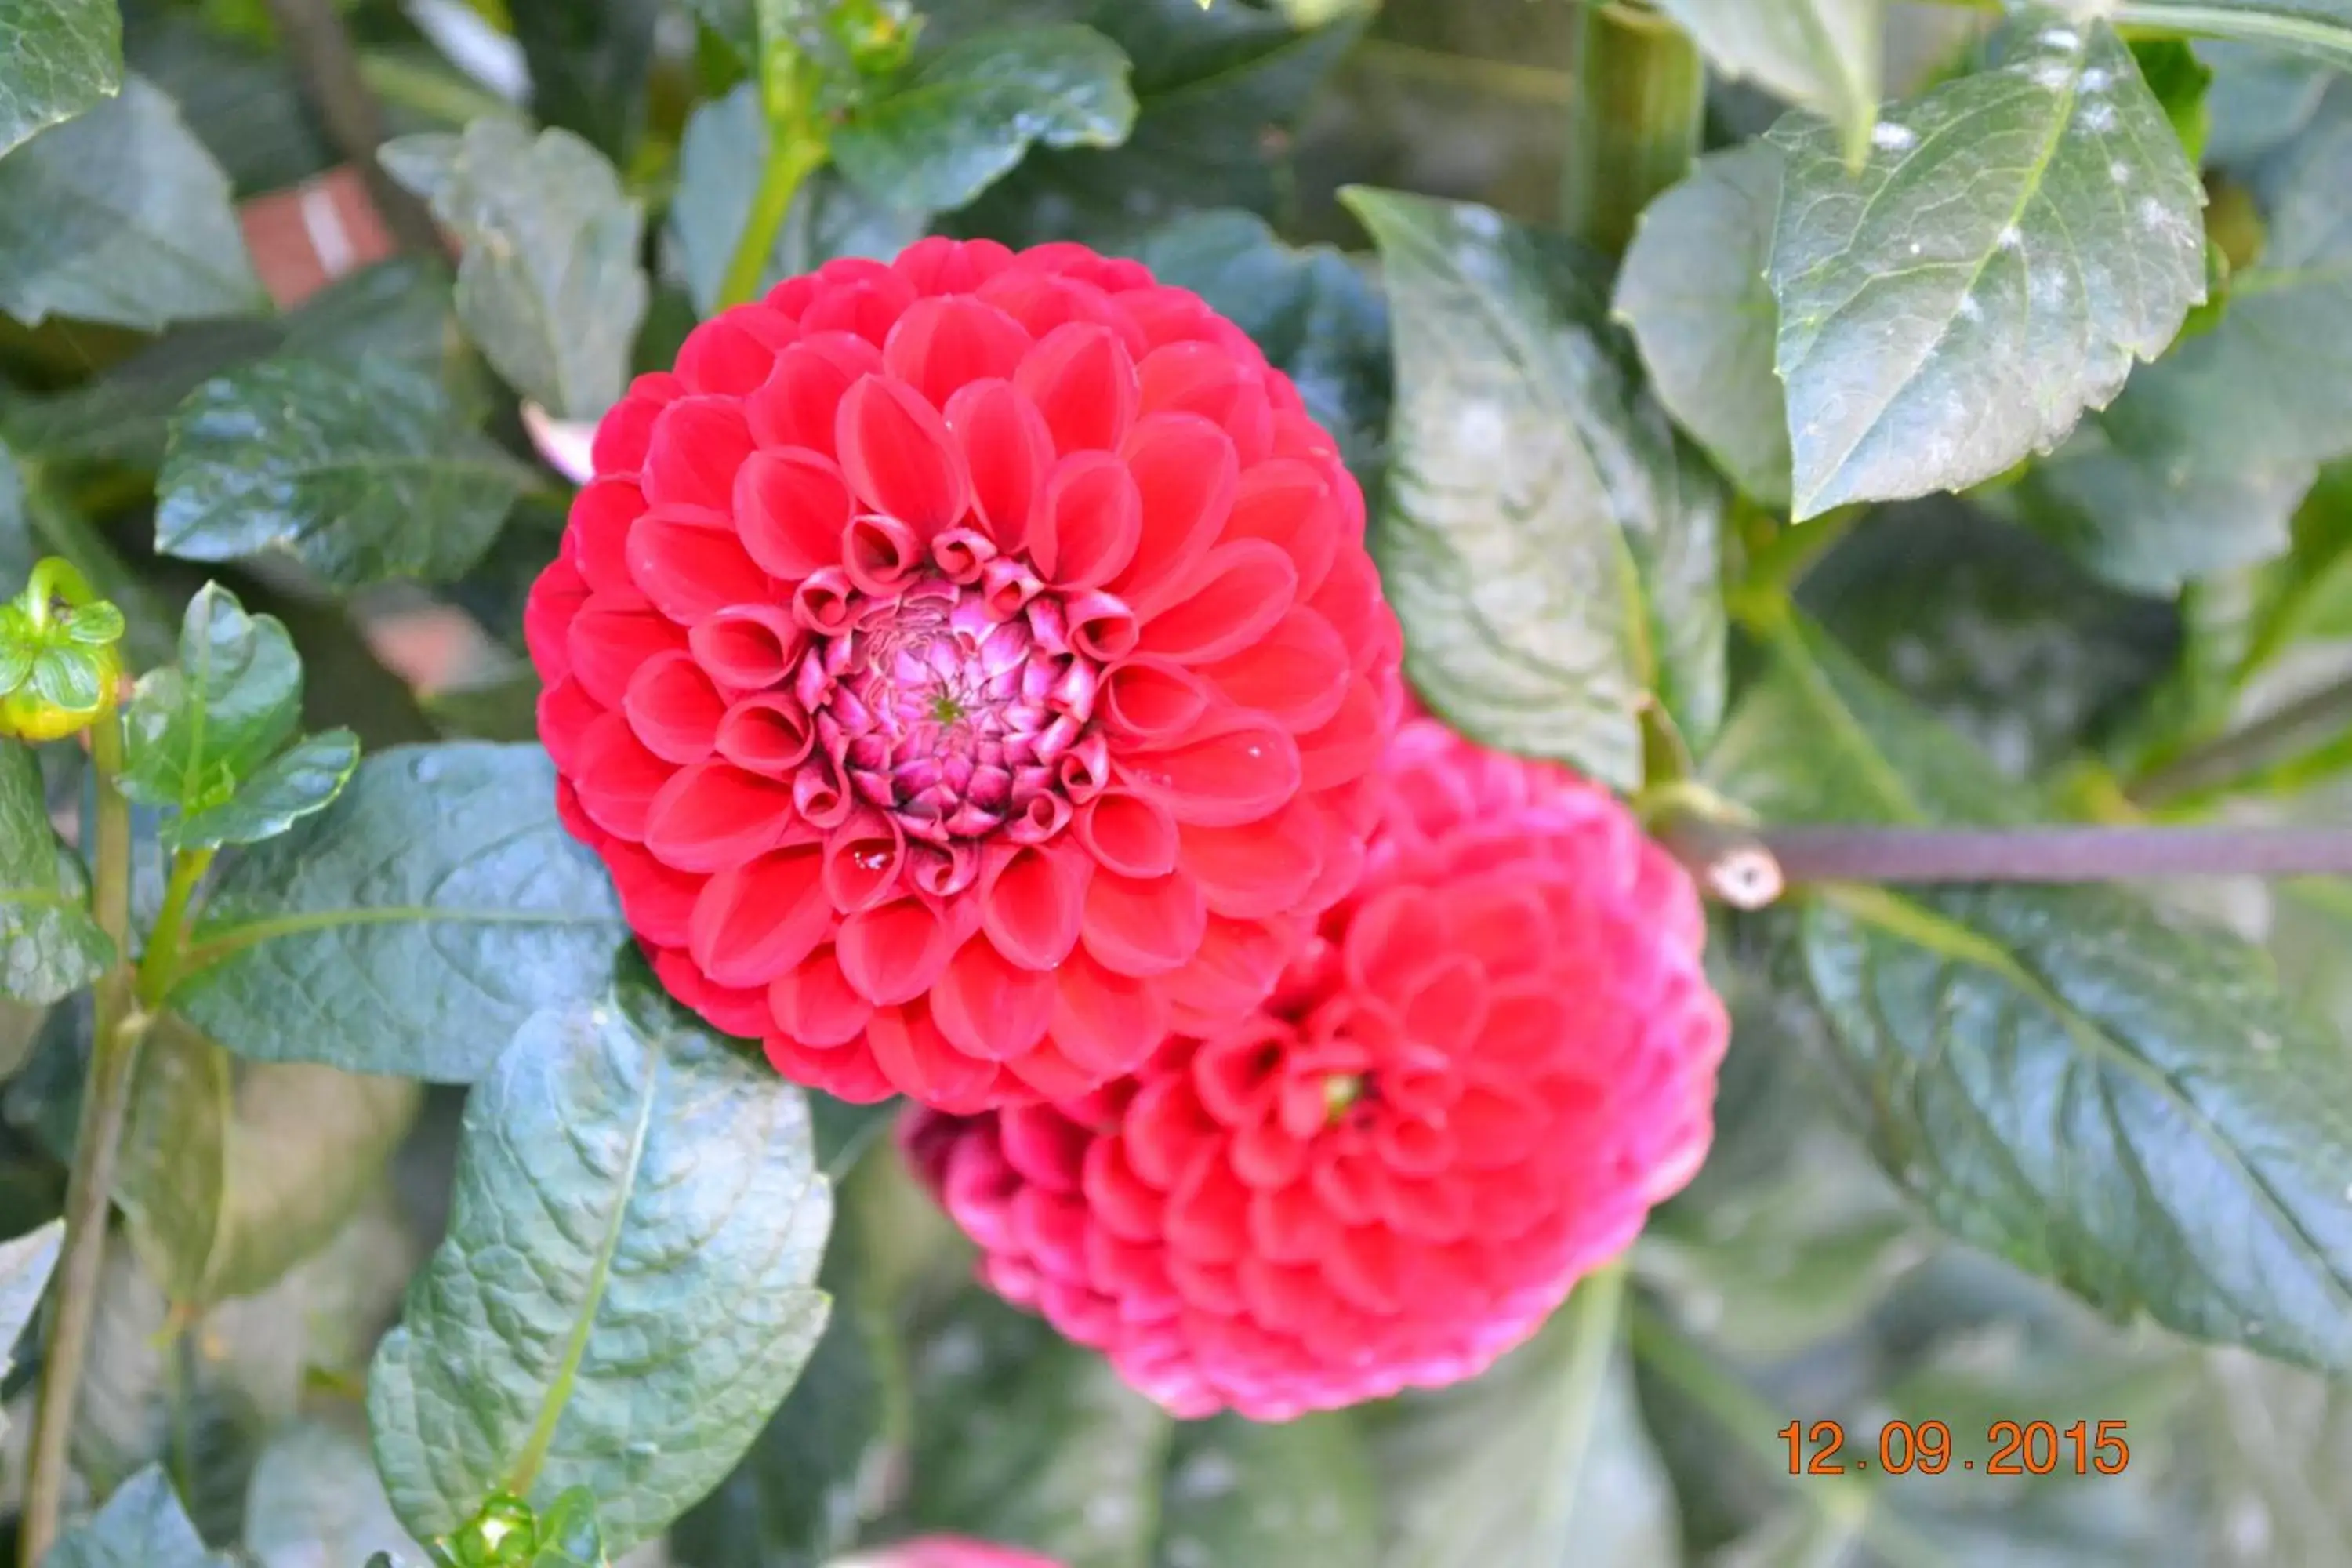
<point>323,56</point>
<point>2300,727</point>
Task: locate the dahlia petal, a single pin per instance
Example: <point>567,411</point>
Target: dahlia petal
<point>1101,626</point>
<point>1042,303</point>
<point>849,1074</point>
<point>1032,901</point>
<point>1146,698</point>
<point>943,266</point>
<point>657,901</point>
<point>1349,598</point>
<point>603,648</point>
<point>748,648</point>
<point>619,779</point>
<point>673,708</point>
<point>713,815</point>
<point>553,603</point>
<point>1238,1074</point>
<point>1043,1146</point>
<point>1288,1300</point>
<point>898,458</point>
<point>1296,673</point>
<point>767,732</point>
<point>1231,600</point>
<point>1128,834</point>
<point>690,568</point>
<point>1289,505</point>
<point>1208,1213</point>
<point>863,858</point>
<point>1259,868</point>
<point>699,444</point>
<point>1105,1020</point>
<point>880,553</point>
<point>1043,1071</point>
<point>1143,928</point>
<point>1129,1206</point>
<point>756,920</point>
<point>1209,380</point>
<point>1083,382</point>
<point>598,537</point>
<point>1008,451</point>
<point>734,351</point>
<point>796,406</point>
<point>565,713</point>
<point>1291,1224</point>
<point>989,1007</point>
<point>1348,746</point>
<point>893,953</point>
<point>1091,522</point>
<point>866,304</point>
<point>728,1010</point>
<point>1236,966</point>
<point>626,431</point>
<point>814,1003</point>
<point>1165,1129</point>
<point>1187,474</point>
<point>1446,1007</point>
<point>1236,769</point>
<point>791,505</point>
<point>918,1059</point>
<point>942,344</point>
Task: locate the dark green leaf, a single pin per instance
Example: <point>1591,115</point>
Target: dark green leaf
<point>1217,88</point>
<point>25,1266</point>
<point>2260,98</point>
<point>142,1525</point>
<point>1539,1463</point>
<point>238,95</point>
<point>550,286</point>
<point>230,1174</point>
<point>2319,29</point>
<point>304,779</point>
<point>1316,313</point>
<point>719,168</point>
<point>1821,55</point>
<point>49,945</point>
<point>2061,1076</point>
<point>64,57</point>
<point>569,1534</point>
<point>1550,548</point>
<point>1023,1437</point>
<point>1240,1491</point>
<point>315,1502</point>
<point>1693,293</point>
<point>121,216</point>
<point>2179,80</point>
<point>18,548</point>
<point>968,115</point>
<point>360,471</point>
<point>2016,240</point>
<point>422,919</point>
<point>192,730</point>
<point>2149,523</point>
<point>589,60</point>
<point>626,1291</point>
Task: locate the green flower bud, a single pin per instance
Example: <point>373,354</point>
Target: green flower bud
<point>60,662</point>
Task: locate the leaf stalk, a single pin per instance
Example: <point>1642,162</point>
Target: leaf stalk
<point>1635,123</point>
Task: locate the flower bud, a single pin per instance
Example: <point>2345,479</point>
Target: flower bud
<point>59,662</point>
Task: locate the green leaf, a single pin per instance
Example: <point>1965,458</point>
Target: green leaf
<point>235,696</point>
<point>550,285</point>
<point>2016,240</point>
<point>1242,1491</point>
<point>64,57</point>
<point>119,216</point>
<point>2150,523</point>
<point>1539,1463</point>
<point>2318,29</point>
<point>422,919</point>
<point>230,1174</point>
<point>1821,55</point>
<point>2260,100</point>
<point>1316,313</point>
<point>968,115</point>
<point>589,60</point>
<point>626,1291</point>
<point>26,1264</point>
<point>1023,1438</point>
<point>2063,1076</point>
<point>2181,82</point>
<point>49,945</point>
<point>1550,547</point>
<point>142,1525</point>
<point>315,1502</point>
<point>725,145</point>
<point>303,780</point>
<point>361,472</point>
<point>1693,293</point>
<point>1215,87</point>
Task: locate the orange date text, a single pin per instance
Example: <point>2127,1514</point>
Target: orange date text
<point>2011,1449</point>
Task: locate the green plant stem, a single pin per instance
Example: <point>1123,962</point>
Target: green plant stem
<point>159,966</point>
<point>2303,728</point>
<point>794,155</point>
<point>1847,1501</point>
<point>1634,123</point>
<point>106,1096</point>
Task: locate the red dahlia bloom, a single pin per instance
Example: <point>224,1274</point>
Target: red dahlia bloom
<point>949,1551</point>
<point>969,669</point>
<point>1500,1053</point>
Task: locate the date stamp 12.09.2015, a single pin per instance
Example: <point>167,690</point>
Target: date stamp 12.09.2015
<point>2083,1447</point>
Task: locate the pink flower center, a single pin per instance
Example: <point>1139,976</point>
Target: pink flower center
<point>956,711</point>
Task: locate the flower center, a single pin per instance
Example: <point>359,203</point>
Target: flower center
<point>957,715</point>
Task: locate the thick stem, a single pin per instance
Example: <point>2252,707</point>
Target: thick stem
<point>321,47</point>
<point>794,155</point>
<point>105,1097</point>
<point>1635,121</point>
<point>159,966</point>
<point>2303,728</point>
